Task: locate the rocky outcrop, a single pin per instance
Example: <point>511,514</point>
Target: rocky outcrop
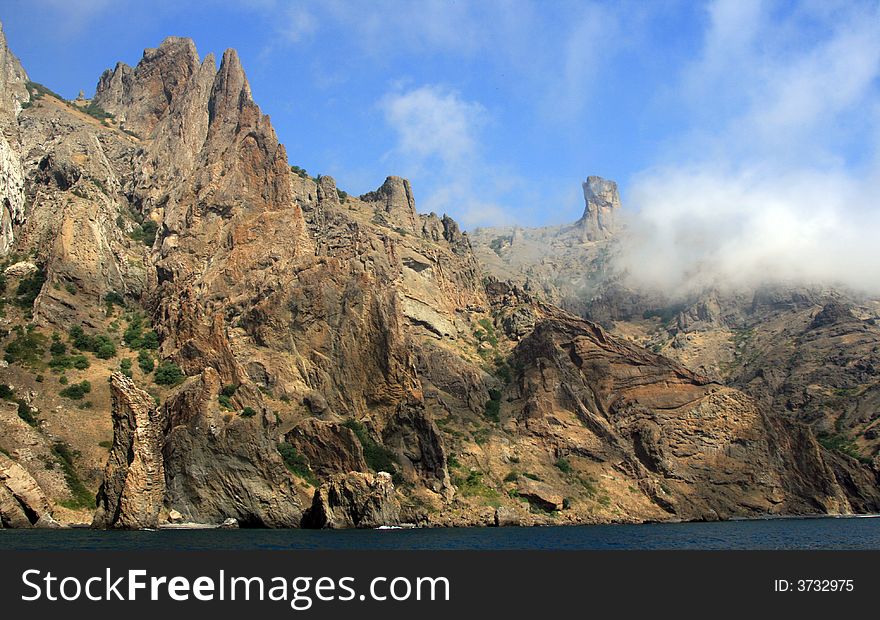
<point>366,337</point>
<point>360,500</point>
<point>22,502</point>
<point>141,97</point>
<point>133,490</point>
<point>540,494</point>
<point>220,464</point>
<point>832,313</point>
<point>394,204</point>
<point>329,447</point>
<point>697,449</point>
<point>602,205</point>
<point>13,80</point>
<point>13,94</point>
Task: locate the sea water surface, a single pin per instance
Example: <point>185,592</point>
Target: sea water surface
<point>796,533</point>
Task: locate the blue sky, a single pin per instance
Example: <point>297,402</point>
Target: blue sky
<point>497,110</point>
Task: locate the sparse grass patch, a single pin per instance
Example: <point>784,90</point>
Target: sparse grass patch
<point>378,457</point>
<point>563,465</point>
<point>840,443</point>
<point>473,486</point>
<point>493,406</point>
<point>81,497</point>
<point>297,463</point>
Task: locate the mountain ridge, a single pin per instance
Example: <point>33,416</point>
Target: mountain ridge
<point>288,332</point>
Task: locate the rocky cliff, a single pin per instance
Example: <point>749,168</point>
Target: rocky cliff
<point>282,353</point>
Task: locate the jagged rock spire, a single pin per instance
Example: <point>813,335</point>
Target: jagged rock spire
<point>602,202</point>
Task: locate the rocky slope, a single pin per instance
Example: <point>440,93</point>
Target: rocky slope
<point>196,331</point>
<point>805,353</point>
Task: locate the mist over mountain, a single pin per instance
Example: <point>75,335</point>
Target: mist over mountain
<point>699,228</point>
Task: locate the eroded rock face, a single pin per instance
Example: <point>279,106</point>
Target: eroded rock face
<point>332,312</point>
<point>140,97</point>
<point>602,204</point>
<point>330,448</point>
<point>22,502</point>
<point>394,200</point>
<point>697,449</point>
<point>13,93</point>
<point>220,465</point>
<point>133,490</point>
<point>13,79</point>
<point>356,499</point>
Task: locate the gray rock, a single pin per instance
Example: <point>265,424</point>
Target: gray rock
<point>356,499</point>
<point>602,202</point>
<point>133,490</point>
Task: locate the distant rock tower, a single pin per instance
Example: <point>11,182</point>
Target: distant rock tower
<point>395,198</point>
<point>602,202</point>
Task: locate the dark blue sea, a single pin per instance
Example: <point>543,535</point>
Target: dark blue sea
<point>819,533</point>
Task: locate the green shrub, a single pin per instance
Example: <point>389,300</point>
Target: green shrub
<point>125,367</point>
<point>145,361</point>
<point>248,412</point>
<point>511,477</point>
<point>76,391</point>
<point>145,232</point>
<point>301,172</point>
<point>150,340</point>
<point>28,289</point>
<point>493,405</point>
<point>106,350</point>
<point>38,91</point>
<point>378,457</point>
<point>58,348</point>
<point>28,348</point>
<point>80,495</point>
<point>563,465</point>
<point>115,299</point>
<point>101,345</point>
<point>105,444</point>
<point>296,463</point>
<point>168,373</point>
<point>842,444</point>
<point>135,337</point>
<point>96,111</point>
<point>134,332</point>
<point>26,413</point>
<point>229,390</point>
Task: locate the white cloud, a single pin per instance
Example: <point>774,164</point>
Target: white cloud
<point>434,122</point>
<point>295,23</point>
<point>776,181</point>
<point>438,147</point>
